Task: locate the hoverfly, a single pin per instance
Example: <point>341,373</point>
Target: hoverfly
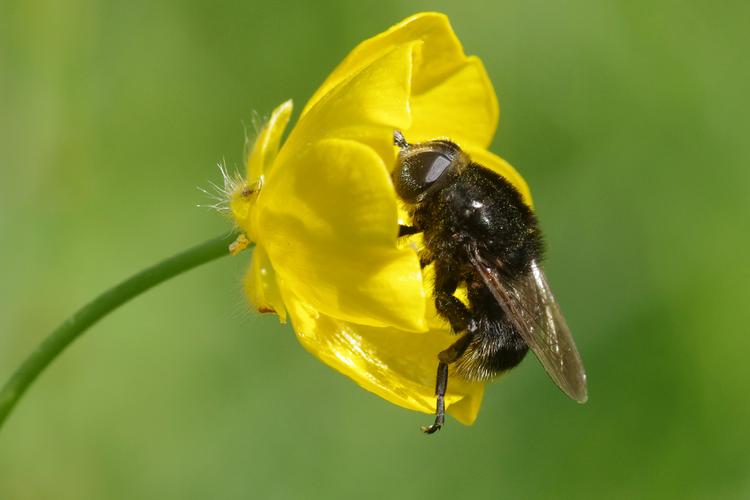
<point>478,232</point>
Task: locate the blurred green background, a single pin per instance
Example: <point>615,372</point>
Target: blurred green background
<point>629,119</point>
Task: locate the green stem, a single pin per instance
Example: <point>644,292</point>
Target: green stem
<point>105,303</point>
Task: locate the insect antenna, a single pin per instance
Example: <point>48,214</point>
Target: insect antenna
<point>399,140</point>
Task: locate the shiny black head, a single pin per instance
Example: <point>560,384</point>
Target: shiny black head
<point>426,167</point>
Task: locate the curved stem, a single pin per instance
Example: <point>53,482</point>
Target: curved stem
<point>105,303</point>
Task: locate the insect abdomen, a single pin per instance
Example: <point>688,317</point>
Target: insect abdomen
<point>494,347</point>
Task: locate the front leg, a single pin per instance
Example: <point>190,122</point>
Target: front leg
<point>425,258</point>
<point>407,230</point>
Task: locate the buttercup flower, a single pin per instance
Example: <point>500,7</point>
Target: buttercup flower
<point>324,216</point>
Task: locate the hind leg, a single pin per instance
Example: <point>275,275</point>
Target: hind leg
<point>446,357</point>
<point>459,317</point>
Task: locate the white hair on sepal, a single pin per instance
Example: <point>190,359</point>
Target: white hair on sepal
<point>220,195</point>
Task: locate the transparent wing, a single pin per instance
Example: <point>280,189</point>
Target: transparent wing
<point>532,309</point>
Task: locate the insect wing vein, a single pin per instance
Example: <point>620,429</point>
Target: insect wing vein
<point>533,310</point>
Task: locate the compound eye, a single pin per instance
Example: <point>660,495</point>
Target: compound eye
<point>433,164</point>
<point>421,170</point>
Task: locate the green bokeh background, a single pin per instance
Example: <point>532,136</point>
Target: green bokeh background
<point>630,121</point>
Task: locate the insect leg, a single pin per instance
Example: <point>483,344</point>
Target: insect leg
<point>441,383</point>
<point>447,305</point>
<point>425,259</point>
<point>459,316</point>
<point>407,230</point>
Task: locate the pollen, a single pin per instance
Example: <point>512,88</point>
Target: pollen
<point>238,245</point>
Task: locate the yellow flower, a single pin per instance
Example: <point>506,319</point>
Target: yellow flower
<point>324,216</point>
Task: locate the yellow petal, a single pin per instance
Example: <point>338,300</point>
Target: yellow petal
<point>441,52</point>
<point>462,107</point>
<point>267,143</point>
<point>502,167</point>
<point>261,286</point>
<point>366,107</point>
<point>328,221</point>
<point>243,196</point>
<point>393,364</point>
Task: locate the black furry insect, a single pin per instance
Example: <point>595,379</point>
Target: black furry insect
<point>479,232</point>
